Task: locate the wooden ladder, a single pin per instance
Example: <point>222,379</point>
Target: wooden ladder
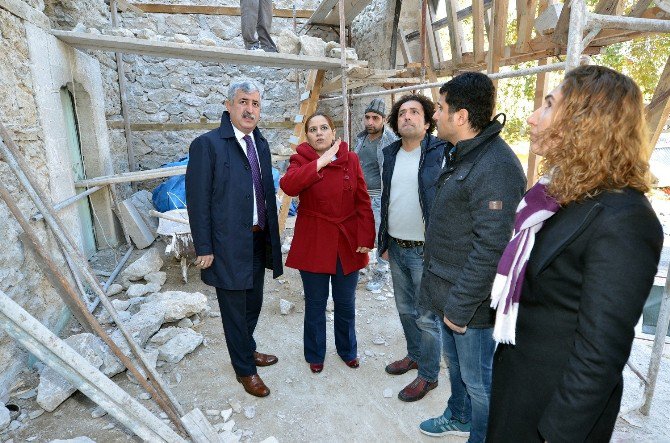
<point>308,102</point>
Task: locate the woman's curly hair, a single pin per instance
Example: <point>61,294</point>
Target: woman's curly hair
<point>599,138</point>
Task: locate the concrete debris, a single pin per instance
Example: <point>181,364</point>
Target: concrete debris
<point>108,427</point>
<point>134,212</point>
<point>4,417</point>
<point>212,412</point>
<point>379,341</point>
<point>379,297</point>
<point>185,323</point>
<point>285,306</point>
<point>287,42</point>
<point>146,322</point>
<point>121,305</point>
<point>15,425</point>
<point>120,32</point>
<point>177,377</point>
<point>27,395</point>
<point>226,414</point>
<point>79,28</point>
<point>178,304</point>
<point>349,53</point>
<point>95,31</point>
<point>196,318</point>
<point>33,438</point>
<point>330,317</point>
<point>75,440</point>
<point>184,342</point>
<point>152,360</point>
<point>157,277</point>
<point>286,246</point>
<point>114,289</point>
<point>270,439</point>
<point>229,437</point>
<point>247,434</point>
<point>150,261</point>
<point>369,353</point>
<point>388,393</point>
<point>36,413</point>
<point>98,412</point>
<point>53,389</point>
<point>236,405</point>
<point>228,426</point>
<point>214,314</point>
<point>312,46</point>
<point>388,294</point>
<point>138,290</point>
<point>105,319</point>
<point>144,396</point>
<point>163,415</point>
<point>250,412</point>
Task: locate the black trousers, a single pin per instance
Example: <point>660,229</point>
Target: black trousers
<point>240,311</point>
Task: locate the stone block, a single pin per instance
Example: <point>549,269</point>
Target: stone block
<point>186,341</point>
<point>178,304</point>
<point>150,261</point>
<point>313,46</point>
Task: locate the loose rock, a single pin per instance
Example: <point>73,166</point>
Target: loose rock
<point>4,417</point>
<point>114,289</point>
<point>178,304</point>
<point>388,393</point>
<point>98,412</point>
<point>250,412</point>
<point>183,343</point>
<point>157,277</point>
<point>150,261</point>
<point>285,306</point>
<point>235,404</point>
<point>226,414</point>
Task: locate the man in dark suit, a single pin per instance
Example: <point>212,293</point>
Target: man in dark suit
<point>233,216</point>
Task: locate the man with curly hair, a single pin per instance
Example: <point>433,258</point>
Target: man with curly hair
<point>411,166</point>
<point>471,222</point>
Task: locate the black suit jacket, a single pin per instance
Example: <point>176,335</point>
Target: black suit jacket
<point>588,276</point>
<point>219,194</point>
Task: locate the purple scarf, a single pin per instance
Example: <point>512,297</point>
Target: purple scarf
<point>533,210</point>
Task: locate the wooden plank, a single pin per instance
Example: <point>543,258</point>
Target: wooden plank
<point>23,11</point>
<point>163,8</point>
<point>434,35</point>
<point>199,428</point>
<point>455,33</point>
<point>444,22</point>
<point>191,126</point>
<point>560,35</point>
<point>125,6</point>
<point>658,110</point>
<point>324,8</point>
<point>404,48</point>
<point>185,51</point>
<point>478,30</point>
<point>525,16</point>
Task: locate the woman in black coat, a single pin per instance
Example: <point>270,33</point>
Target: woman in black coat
<point>572,283</point>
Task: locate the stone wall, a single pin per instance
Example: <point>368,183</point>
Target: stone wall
<point>20,274</point>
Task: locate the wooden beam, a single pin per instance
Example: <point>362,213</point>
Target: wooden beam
<point>192,126</point>
<point>525,17</point>
<point>324,8</point>
<point>560,35</point>
<point>639,8</point>
<point>163,8</point>
<point>444,22</point>
<point>434,50</point>
<point>328,12</point>
<point>658,110</point>
<point>497,37</point>
<point>455,33</point>
<point>185,51</point>
<point>611,7</point>
<point>478,30</point>
<point>404,47</point>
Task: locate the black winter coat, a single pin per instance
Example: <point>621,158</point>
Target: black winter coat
<point>587,279</point>
<point>219,195</point>
<point>471,221</point>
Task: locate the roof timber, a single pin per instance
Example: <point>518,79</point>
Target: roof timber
<point>186,51</point>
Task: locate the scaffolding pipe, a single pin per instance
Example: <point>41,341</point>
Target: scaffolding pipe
<point>125,177</point>
<point>68,201</point>
<point>626,23</point>
<point>343,63</point>
<point>118,268</point>
<point>575,34</point>
<point>56,354</point>
<point>658,346</point>
<point>498,75</point>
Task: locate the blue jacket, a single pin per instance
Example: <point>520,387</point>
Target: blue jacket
<point>430,164</point>
<point>220,206</point>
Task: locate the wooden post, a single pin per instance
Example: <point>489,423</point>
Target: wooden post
<point>540,93</point>
<point>455,34</point>
<point>478,30</point>
<point>658,109</point>
<point>497,37</point>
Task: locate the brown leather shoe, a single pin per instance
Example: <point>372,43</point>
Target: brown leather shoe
<point>417,389</point>
<point>264,359</point>
<point>401,366</point>
<point>254,385</point>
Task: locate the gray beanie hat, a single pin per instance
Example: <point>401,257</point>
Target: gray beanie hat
<point>377,106</point>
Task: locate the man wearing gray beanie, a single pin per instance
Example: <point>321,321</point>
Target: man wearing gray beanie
<point>369,145</point>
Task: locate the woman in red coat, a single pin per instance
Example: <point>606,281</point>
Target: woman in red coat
<point>334,232</point>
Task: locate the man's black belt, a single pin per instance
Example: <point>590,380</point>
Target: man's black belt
<point>407,243</point>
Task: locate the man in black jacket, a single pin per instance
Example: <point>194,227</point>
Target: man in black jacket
<point>232,211</point>
<point>471,222</point>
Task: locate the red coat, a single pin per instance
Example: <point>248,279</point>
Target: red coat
<point>334,217</point>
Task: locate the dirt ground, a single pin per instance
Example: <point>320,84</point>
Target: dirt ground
<point>340,404</point>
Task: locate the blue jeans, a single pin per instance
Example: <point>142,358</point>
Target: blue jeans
<point>470,358</point>
<point>316,297</point>
<point>421,327</point>
<point>382,265</point>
